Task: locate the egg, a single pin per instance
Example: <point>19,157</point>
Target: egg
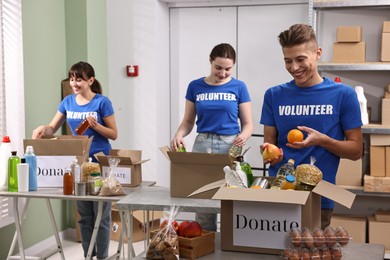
<point>330,236</point>
<point>307,238</point>
<point>326,255</point>
<point>295,237</point>
<point>342,236</point>
<point>336,253</point>
<point>319,237</point>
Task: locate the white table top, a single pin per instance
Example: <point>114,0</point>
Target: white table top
<point>159,198</point>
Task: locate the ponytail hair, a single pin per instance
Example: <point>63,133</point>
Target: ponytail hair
<point>85,71</point>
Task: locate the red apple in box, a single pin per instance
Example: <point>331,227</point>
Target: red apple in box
<point>182,226</point>
<point>193,229</point>
<point>175,225</point>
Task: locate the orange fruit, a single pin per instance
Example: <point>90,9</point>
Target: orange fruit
<point>294,135</point>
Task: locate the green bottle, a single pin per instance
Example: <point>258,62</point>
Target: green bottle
<point>245,167</point>
<point>13,161</point>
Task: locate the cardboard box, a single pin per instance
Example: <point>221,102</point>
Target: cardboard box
<point>55,154</point>
<point>379,140</point>
<point>356,226</point>
<point>139,230</point>
<point>190,171</point>
<point>345,52</point>
<point>378,161</point>
<point>387,161</point>
<point>259,220</point>
<point>350,173</point>
<point>349,34</point>
<point>376,184</point>
<point>129,169</point>
<point>385,111</point>
<point>193,248</point>
<point>378,232</point>
<point>382,216</point>
<point>386,27</point>
<point>385,50</point>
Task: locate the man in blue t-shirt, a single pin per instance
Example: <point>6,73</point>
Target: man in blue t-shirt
<point>328,113</point>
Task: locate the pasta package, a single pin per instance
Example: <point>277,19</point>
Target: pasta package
<point>308,173</point>
<point>87,168</point>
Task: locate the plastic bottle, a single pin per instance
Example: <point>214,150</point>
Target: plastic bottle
<point>31,160</point>
<point>287,168</point>
<point>289,182</point>
<point>245,167</point>
<point>76,170</point>
<point>5,153</point>
<point>13,161</point>
<point>82,127</point>
<point>68,182</point>
<point>363,104</point>
<point>23,175</point>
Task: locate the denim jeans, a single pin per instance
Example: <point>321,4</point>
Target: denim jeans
<point>88,211</point>
<point>211,143</point>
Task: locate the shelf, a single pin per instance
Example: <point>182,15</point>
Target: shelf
<point>349,3</point>
<point>359,191</point>
<point>367,66</point>
<point>376,129</point>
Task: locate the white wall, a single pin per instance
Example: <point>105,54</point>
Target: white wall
<point>138,34</point>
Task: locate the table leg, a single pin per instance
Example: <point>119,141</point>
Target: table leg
<point>95,229</point>
<point>127,223</point>
<point>18,221</point>
<point>54,228</point>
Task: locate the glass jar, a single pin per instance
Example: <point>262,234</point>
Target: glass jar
<point>95,183</point>
<point>82,127</point>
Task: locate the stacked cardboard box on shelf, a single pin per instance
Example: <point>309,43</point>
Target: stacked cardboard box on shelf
<point>385,51</point>
<point>349,47</point>
<point>379,178</point>
<point>386,106</point>
<point>379,228</point>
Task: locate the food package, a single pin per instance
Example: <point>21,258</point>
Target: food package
<point>111,185</point>
<point>308,173</point>
<point>165,244</point>
<point>87,168</point>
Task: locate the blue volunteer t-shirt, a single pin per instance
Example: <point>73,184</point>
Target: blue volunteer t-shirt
<point>217,107</point>
<point>99,107</point>
<point>330,108</point>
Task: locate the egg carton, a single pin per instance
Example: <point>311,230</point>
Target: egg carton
<point>319,238</point>
<point>323,253</point>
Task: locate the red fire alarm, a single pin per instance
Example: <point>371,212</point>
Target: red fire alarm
<point>132,70</point>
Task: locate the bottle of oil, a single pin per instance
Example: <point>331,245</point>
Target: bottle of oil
<point>283,171</point>
<point>288,183</point>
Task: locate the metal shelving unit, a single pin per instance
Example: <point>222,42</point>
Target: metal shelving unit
<point>367,66</point>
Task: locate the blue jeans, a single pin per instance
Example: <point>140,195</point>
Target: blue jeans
<point>88,211</point>
<point>211,143</point>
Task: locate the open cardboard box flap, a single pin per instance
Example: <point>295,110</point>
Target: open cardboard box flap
<point>323,188</point>
<point>335,193</point>
<point>60,145</point>
<point>127,157</point>
<point>195,158</point>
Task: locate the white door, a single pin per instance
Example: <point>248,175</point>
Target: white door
<point>194,32</point>
<point>252,31</point>
<point>260,60</point>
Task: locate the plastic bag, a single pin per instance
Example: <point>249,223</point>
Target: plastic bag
<point>308,173</point>
<point>165,244</point>
<point>111,185</point>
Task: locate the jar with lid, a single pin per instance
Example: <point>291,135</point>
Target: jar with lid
<point>68,182</point>
<point>82,127</point>
<point>289,182</point>
<point>95,183</point>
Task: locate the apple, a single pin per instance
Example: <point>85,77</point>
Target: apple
<point>175,225</point>
<point>193,229</point>
<point>271,152</point>
<point>181,228</point>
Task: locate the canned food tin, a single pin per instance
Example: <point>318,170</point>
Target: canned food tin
<point>261,182</point>
<point>80,188</point>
